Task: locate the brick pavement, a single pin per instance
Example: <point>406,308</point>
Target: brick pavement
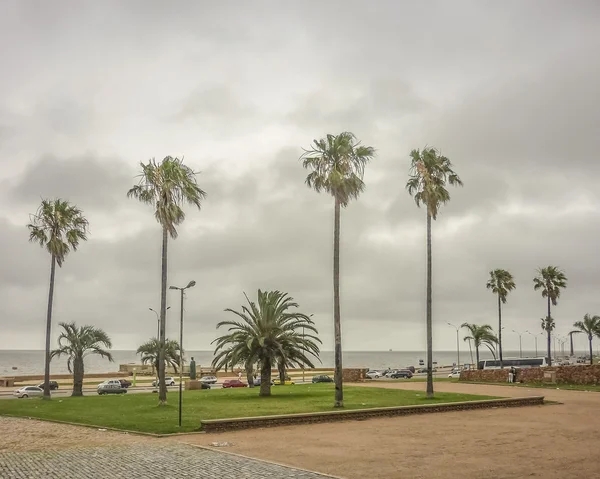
<point>140,461</point>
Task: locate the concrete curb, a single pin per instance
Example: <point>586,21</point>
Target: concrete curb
<point>221,425</point>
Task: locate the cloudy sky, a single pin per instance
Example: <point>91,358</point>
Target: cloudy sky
<point>509,91</point>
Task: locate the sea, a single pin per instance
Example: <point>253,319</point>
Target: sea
<point>24,362</point>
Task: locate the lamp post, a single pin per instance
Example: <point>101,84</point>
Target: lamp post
<point>457,345</point>
<point>520,343</point>
<point>191,284</point>
<point>157,341</point>
<point>534,337</point>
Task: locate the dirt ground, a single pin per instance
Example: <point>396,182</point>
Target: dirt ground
<point>553,441</point>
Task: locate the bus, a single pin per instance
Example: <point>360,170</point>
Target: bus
<point>513,362</point>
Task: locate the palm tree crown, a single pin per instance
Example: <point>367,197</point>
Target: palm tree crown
<point>338,165</point>
<point>166,186</point>
<point>429,174</point>
<point>550,280</point>
<point>265,332</point>
<point>591,327</point>
<point>501,282</point>
<point>58,226</point>
<point>149,352</point>
<point>481,335</point>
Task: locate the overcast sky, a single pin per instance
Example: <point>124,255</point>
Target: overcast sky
<point>509,91</point>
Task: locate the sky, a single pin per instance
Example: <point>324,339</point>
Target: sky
<point>509,91</point>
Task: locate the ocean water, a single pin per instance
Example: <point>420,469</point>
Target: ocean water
<point>21,362</point>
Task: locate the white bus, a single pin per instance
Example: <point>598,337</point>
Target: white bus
<point>510,362</point>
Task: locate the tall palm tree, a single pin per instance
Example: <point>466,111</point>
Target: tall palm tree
<point>58,227</point>
<point>166,186</point>
<point>264,332</point>
<point>77,343</point>
<point>501,283</point>
<point>429,174</point>
<point>481,335</point>
<point>550,280</point>
<point>337,165</point>
<point>150,352</point>
<point>591,327</point>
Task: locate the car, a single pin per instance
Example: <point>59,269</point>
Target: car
<point>454,374</point>
<point>288,381</point>
<point>205,386</point>
<point>322,379</point>
<point>125,383</point>
<point>208,379</point>
<point>169,381</point>
<point>28,391</point>
<point>53,385</point>
<point>111,386</point>
<point>234,383</point>
<point>258,381</point>
<point>403,373</point>
<point>373,374</point>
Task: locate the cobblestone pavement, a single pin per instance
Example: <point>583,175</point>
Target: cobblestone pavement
<point>141,461</point>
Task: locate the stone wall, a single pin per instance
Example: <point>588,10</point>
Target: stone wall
<point>485,375</point>
<point>576,374</point>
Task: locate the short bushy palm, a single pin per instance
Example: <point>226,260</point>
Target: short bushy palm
<point>501,283</point>
<point>150,353</point>
<point>59,227</point>
<point>481,335</point>
<point>77,343</point>
<point>264,332</point>
<point>591,327</point>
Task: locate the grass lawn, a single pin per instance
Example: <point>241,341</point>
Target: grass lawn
<point>139,412</point>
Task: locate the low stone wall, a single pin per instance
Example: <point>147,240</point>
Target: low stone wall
<point>576,374</point>
<point>220,425</point>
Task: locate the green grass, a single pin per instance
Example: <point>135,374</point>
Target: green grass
<point>139,412</point>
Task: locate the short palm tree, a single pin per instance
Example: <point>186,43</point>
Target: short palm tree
<point>591,327</point>
<point>337,165</point>
<point>150,353</point>
<point>264,332</point>
<point>481,335</point>
<point>77,343</point>
<point>58,227</point>
<point>166,186</point>
<point>430,173</point>
<point>550,280</point>
<point>501,283</point>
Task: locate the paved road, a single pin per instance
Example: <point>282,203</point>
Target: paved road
<point>167,461</point>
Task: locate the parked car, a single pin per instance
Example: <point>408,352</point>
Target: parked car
<point>125,383</point>
<point>322,379</point>
<point>234,383</point>
<point>403,373</point>
<point>29,391</point>
<point>373,374</point>
<point>258,381</point>
<point>288,381</point>
<point>53,385</point>
<point>411,369</point>
<point>204,386</point>
<point>111,386</point>
<point>208,379</point>
<point>454,374</point>
<point>169,381</point>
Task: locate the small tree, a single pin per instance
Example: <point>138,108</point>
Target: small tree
<point>501,283</point>
<point>481,335</point>
<point>591,327</point>
<point>150,353</point>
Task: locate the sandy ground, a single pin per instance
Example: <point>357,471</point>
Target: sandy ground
<point>554,441</point>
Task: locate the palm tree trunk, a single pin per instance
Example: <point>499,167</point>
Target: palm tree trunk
<point>77,377</point>
<point>339,392</point>
<point>265,378</point>
<point>49,329</point>
<point>571,338</point>
<point>500,331</point>
<point>162,387</point>
<point>477,355</point>
<point>590,337</point>
<point>429,313</point>
<point>548,330</point>
<point>281,368</point>
<point>249,374</point>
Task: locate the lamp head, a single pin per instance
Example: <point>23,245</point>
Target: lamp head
<point>173,287</point>
<point>191,284</point>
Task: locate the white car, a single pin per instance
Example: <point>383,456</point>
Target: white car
<point>208,379</point>
<point>29,391</point>
<point>454,374</point>
<point>373,375</point>
<point>169,381</point>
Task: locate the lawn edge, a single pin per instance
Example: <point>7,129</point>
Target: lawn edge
<point>533,386</point>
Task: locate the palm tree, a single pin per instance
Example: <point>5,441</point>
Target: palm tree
<point>264,332</point>
<point>481,335</point>
<point>550,280</point>
<point>430,172</point>
<point>501,282</point>
<point>337,165</point>
<point>590,326</point>
<point>166,186</point>
<point>150,352</point>
<point>77,343</point>
<point>57,226</point>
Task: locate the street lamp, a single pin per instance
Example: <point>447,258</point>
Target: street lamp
<point>520,344</point>
<point>457,344</point>
<point>534,337</point>
<point>158,321</point>
<point>191,284</point>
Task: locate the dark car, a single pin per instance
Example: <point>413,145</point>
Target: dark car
<point>322,379</point>
<point>125,383</point>
<point>404,373</point>
<point>204,386</point>
<point>233,383</point>
<point>53,385</point>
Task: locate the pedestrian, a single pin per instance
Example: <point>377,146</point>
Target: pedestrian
<point>514,374</point>
<point>240,375</point>
<point>510,375</point>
